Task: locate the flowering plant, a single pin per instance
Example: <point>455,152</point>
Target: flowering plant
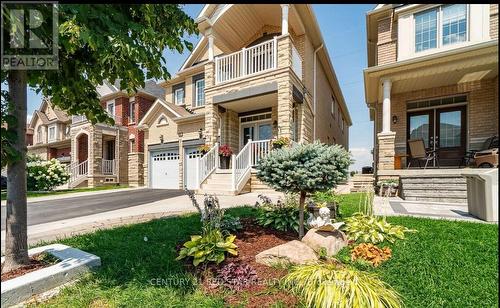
<point>225,150</point>
<point>45,175</point>
<point>280,142</point>
<point>204,148</point>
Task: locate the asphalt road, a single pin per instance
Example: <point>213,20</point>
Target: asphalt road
<point>54,210</point>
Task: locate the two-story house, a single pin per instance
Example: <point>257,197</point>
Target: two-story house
<point>432,74</point>
<point>47,134</point>
<point>259,72</point>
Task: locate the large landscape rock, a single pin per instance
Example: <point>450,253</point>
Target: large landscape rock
<point>294,252</point>
<point>332,241</point>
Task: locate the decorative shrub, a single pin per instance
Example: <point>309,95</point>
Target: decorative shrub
<point>225,150</point>
<point>281,216</point>
<point>280,142</point>
<point>230,223</point>
<point>329,285</point>
<point>209,247</point>
<point>371,253</point>
<point>236,276</point>
<point>204,148</point>
<point>45,175</point>
<point>373,229</point>
<point>304,169</point>
<point>324,198</point>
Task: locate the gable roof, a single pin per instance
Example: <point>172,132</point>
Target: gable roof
<point>61,116</point>
<point>151,88</point>
<point>177,111</point>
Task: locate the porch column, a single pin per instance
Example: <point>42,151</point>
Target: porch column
<point>210,38</point>
<point>284,18</point>
<point>386,106</point>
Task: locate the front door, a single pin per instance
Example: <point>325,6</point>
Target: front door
<point>256,131</point>
<point>443,129</point>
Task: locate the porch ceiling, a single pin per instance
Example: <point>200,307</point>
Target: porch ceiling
<point>252,103</point>
<point>442,70</point>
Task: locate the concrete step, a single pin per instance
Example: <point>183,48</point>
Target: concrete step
<point>434,194</point>
<point>216,192</point>
<point>442,187</point>
<point>433,180</point>
<point>210,186</point>
<point>219,181</point>
<point>437,199</point>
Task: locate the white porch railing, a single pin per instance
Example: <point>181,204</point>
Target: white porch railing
<point>78,119</point>
<point>296,62</point>
<point>208,163</point>
<point>77,170</point>
<point>248,157</point>
<point>108,166</point>
<point>247,61</point>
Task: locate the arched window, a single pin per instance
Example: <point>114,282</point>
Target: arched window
<point>162,120</point>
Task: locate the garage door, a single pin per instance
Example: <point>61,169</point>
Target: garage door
<point>165,169</point>
<point>190,167</point>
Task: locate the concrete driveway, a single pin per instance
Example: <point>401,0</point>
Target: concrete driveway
<point>62,208</point>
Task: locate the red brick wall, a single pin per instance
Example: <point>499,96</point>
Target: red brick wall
<point>141,108</point>
<point>29,139</point>
<point>83,147</point>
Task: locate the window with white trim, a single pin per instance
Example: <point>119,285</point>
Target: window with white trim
<point>179,96</point>
<point>440,26</point>
<point>52,132</point>
<point>132,145</point>
<point>333,107</point>
<point>110,108</point>
<point>200,92</point>
<point>39,134</point>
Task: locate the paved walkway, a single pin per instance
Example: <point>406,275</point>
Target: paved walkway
<point>396,206</point>
<point>140,213</point>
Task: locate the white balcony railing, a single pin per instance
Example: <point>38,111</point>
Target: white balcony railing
<point>108,166</point>
<point>248,61</point>
<point>296,62</point>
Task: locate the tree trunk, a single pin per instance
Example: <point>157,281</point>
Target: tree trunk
<point>301,214</point>
<point>16,233</point>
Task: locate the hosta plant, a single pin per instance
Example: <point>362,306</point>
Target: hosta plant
<point>371,253</point>
<point>209,247</point>
<point>230,223</point>
<point>236,276</point>
<point>328,285</point>
<point>371,229</point>
<point>281,216</point>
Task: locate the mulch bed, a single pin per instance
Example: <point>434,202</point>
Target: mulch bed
<point>252,240</point>
<point>37,261</point>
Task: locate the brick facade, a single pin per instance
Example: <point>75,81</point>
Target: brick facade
<point>386,41</point>
<point>494,21</point>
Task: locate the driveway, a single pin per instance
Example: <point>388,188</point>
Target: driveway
<point>70,207</point>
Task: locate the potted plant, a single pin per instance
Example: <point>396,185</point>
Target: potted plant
<point>280,142</point>
<point>225,153</point>
<point>388,187</point>
<point>204,149</point>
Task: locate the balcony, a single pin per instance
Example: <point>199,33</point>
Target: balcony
<point>76,119</point>
<point>253,60</point>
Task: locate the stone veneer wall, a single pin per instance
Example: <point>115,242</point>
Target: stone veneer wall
<point>386,41</point>
<point>136,169</point>
<point>494,21</point>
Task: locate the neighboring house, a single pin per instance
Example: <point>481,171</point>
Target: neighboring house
<point>104,154</point>
<point>259,72</point>
<point>432,74</point>
<point>47,134</point>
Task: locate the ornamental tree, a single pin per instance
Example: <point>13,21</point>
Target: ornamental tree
<point>97,42</point>
<point>304,169</point>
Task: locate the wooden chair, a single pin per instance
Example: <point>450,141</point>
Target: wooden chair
<point>418,153</point>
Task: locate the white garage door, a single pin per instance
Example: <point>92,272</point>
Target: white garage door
<point>165,169</point>
<point>190,167</point>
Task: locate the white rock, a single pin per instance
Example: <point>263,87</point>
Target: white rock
<point>294,252</point>
<point>332,241</point>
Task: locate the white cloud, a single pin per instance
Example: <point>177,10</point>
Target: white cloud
<point>362,157</point>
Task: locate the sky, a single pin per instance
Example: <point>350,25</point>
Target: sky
<point>344,32</point>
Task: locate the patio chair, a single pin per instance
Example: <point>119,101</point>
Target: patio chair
<point>419,153</point>
<point>489,143</point>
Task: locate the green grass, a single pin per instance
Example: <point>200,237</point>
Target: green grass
<point>32,194</point>
<point>444,264</point>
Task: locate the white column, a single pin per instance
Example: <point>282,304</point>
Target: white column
<point>210,47</point>
<point>386,105</point>
<point>284,18</point>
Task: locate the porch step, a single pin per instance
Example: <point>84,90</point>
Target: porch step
<point>220,183</point>
<point>451,188</point>
<point>257,185</point>
<point>361,181</point>
<point>78,182</point>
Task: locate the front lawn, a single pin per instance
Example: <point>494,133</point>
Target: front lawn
<point>32,194</point>
<point>444,264</point>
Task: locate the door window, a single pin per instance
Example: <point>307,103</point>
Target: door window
<point>419,128</point>
<point>450,129</point>
<point>265,131</point>
<point>248,133</point>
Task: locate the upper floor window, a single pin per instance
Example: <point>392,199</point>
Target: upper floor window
<point>132,111</point>
<point>199,92</point>
<point>454,23</point>
<point>110,108</point>
<point>39,134</point>
<point>440,26</point>
<point>179,96</point>
<point>333,107</point>
<point>52,132</point>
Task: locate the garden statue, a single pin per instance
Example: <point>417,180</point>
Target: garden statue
<point>323,222</point>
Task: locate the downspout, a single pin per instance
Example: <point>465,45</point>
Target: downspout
<point>314,90</point>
